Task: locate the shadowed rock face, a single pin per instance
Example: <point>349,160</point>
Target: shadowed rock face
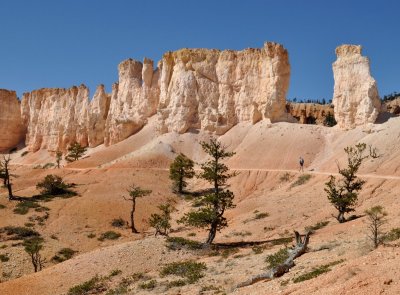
<point>11,129</point>
<point>213,90</point>
<point>310,113</point>
<point>355,97</point>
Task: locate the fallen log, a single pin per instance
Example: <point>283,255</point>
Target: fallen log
<point>298,250</point>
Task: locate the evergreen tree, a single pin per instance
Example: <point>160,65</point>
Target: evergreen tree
<point>161,222</point>
<point>75,151</point>
<point>58,158</point>
<point>212,206</point>
<point>181,168</point>
<point>343,194</point>
<point>33,247</point>
<point>134,193</point>
<point>376,219</point>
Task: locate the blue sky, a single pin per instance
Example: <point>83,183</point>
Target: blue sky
<point>68,42</point>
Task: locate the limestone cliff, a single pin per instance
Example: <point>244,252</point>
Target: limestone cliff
<point>310,113</point>
<point>355,97</point>
<point>213,90</point>
<point>97,116</point>
<point>133,99</point>
<point>11,129</point>
<point>55,117</point>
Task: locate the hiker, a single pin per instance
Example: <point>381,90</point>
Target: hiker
<point>301,162</point>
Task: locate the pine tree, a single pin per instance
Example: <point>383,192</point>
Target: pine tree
<point>75,151</point>
<point>134,193</point>
<point>343,194</point>
<point>181,168</point>
<point>33,247</point>
<point>212,206</point>
<point>376,219</point>
<point>161,222</point>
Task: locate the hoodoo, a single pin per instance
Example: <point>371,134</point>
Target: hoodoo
<point>355,96</point>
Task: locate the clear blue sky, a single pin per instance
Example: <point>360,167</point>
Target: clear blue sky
<point>60,43</point>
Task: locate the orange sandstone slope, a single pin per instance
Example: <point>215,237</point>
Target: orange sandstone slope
<point>264,153</point>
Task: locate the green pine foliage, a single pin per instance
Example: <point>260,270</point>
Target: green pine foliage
<point>162,222</point>
<point>343,193</point>
<point>75,151</point>
<point>211,207</point>
<point>179,170</point>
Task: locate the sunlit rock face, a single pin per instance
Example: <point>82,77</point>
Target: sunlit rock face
<point>213,90</point>
<point>356,99</point>
<point>134,99</point>
<point>11,129</point>
<point>97,116</point>
<point>55,117</point>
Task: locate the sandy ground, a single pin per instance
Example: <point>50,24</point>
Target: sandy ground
<point>264,153</point>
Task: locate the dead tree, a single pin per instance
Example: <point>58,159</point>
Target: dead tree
<point>6,176</point>
<point>298,250</point>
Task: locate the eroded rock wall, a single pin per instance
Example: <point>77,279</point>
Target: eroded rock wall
<point>310,113</point>
<point>355,97</point>
<point>55,117</point>
<point>213,90</point>
<point>11,129</point>
<point>134,98</point>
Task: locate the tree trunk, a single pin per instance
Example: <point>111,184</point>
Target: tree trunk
<point>134,230</point>
<point>212,233</point>
<point>340,217</point>
<point>180,188</point>
<point>298,250</point>
<point>10,194</point>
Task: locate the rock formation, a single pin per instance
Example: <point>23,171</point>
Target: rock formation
<point>310,113</point>
<point>133,99</point>
<point>97,116</point>
<point>11,130</point>
<point>355,97</point>
<point>55,117</point>
<point>213,90</point>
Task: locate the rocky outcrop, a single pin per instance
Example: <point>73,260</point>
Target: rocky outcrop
<point>310,113</point>
<point>55,117</point>
<point>213,90</point>
<point>133,99</point>
<point>11,129</point>
<point>393,106</point>
<point>356,99</point>
<point>97,116</point>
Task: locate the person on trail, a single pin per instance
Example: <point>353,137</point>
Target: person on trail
<point>301,162</point>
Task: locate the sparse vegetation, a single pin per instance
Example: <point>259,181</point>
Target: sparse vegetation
<point>19,232</point>
<point>23,207</point>
<point>261,215</point>
<point>392,235</point>
<point>316,272</point>
<point>176,243</point>
<point>115,272</point>
<point>190,270</point>
<point>302,179</point>
<point>329,120</point>
<point>88,287</point>
<point>286,177</point>
<point>109,235</point>
<point>277,258</point>
<point>23,154</point>
<point>343,194</point>
<point>118,222</point>
<point>63,255</point>
<point>134,193</point>
<point>179,170</point>
<point>149,285</point>
<point>316,226</point>
<point>212,206</point>
<point>91,235</point>
<point>59,155</point>
<point>2,206</point>
<point>376,219</point>
<point>4,258</point>
<point>52,185</point>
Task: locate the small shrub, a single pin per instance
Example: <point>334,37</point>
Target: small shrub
<point>191,234</point>
<point>316,226</point>
<point>29,224</point>
<point>257,249</point>
<point>316,272</point>
<point>120,289</point>
<point>4,258</point>
<point>241,233</point>
<point>392,235</point>
<point>23,207</point>
<point>190,270</point>
<point>227,252</point>
<point>54,237</point>
<point>176,243</point>
<point>115,272</point>
<point>286,177</point>
<point>302,179</point>
<point>118,222</point>
<point>63,255</point>
<point>109,235</point>
<point>277,258</point>
<point>149,285</point>
<point>91,235</point>
<point>176,283</point>
<point>261,215</point>
<point>24,153</point>
<point>52,185</point>
<point>20,233</point>
<point>48,165</point>
<point>2,206</point>
<point>94,283</point>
